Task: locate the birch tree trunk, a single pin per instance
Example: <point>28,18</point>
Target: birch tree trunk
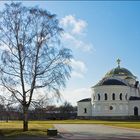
<point>32,57</point>
<point>25,118</point>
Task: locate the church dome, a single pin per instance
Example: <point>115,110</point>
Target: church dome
<point>118,76</point>
<point>119,72</point>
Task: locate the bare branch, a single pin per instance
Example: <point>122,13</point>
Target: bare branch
<point>32,56</point>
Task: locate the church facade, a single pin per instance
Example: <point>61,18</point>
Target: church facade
<point>117,94</point>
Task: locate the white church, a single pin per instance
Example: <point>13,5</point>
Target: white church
<point>117,94</point>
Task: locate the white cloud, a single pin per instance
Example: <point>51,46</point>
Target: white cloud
<point>75,95</point>
<point>73,42</point>
<point>78,65</point>
<point>77,74</point>
<point>74,34</point>
<point>78,68</point>
<point>77,25</point>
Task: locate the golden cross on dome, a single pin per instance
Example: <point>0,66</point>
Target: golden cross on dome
<point>118,61</point>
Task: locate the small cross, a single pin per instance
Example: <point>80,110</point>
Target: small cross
<point>118,61</point>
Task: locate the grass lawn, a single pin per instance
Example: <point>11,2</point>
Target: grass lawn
<point>14,129</point>
<point>39,128</point>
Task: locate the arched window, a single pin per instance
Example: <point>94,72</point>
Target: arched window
<point>111,107</point>
<point>85,110</point>
<point>136,113</point>
<point>120,96</point>
<point>98,96</point>
<point>126,96</point>
<point>105,96</point>
<point>113,96</point>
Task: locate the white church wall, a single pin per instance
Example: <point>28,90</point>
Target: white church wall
<point>133,92</point>
<point>110,90</point>
<point>132,105</point>
<point>84,109</point>
<point>110,107</point>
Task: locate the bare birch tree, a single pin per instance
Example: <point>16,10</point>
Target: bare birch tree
<point>31,54</point>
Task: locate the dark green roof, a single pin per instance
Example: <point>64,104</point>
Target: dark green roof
<point>113,82</point>
<point>120,72</point>
<point>110,81</point>
<point>132,98</point>
<point>85,100</point>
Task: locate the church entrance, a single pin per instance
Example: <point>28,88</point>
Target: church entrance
<point>136,111</point>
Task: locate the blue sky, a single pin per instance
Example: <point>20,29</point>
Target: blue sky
<point>98,33</point>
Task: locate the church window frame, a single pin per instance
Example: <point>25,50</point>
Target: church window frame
<point>113,96</point>
<point>111,108</point>
<point>126,96</point>
<point>99,97</point>
<point>120,96</point>
<point>105,96</point>
<point>85,110</point>
<point>136,111</point>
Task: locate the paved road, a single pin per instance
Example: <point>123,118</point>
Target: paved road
<point>87,132</point>
<point>98,132</point>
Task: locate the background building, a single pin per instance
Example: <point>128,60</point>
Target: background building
<point>116,95</point>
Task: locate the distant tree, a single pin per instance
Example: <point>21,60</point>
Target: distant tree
<point>2,108</point>
<point>66,109</point>
<point>41,102</point>
<point>2,111</point>
<point>39,106</point>
<point>32,55</point>
<point>7,106</point>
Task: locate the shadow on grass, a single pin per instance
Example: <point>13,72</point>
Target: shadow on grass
<point>20,133</point>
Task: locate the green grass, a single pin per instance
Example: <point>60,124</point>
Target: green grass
<point>135,125</point>
<point>14,129</point>
<point>39,128</point>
